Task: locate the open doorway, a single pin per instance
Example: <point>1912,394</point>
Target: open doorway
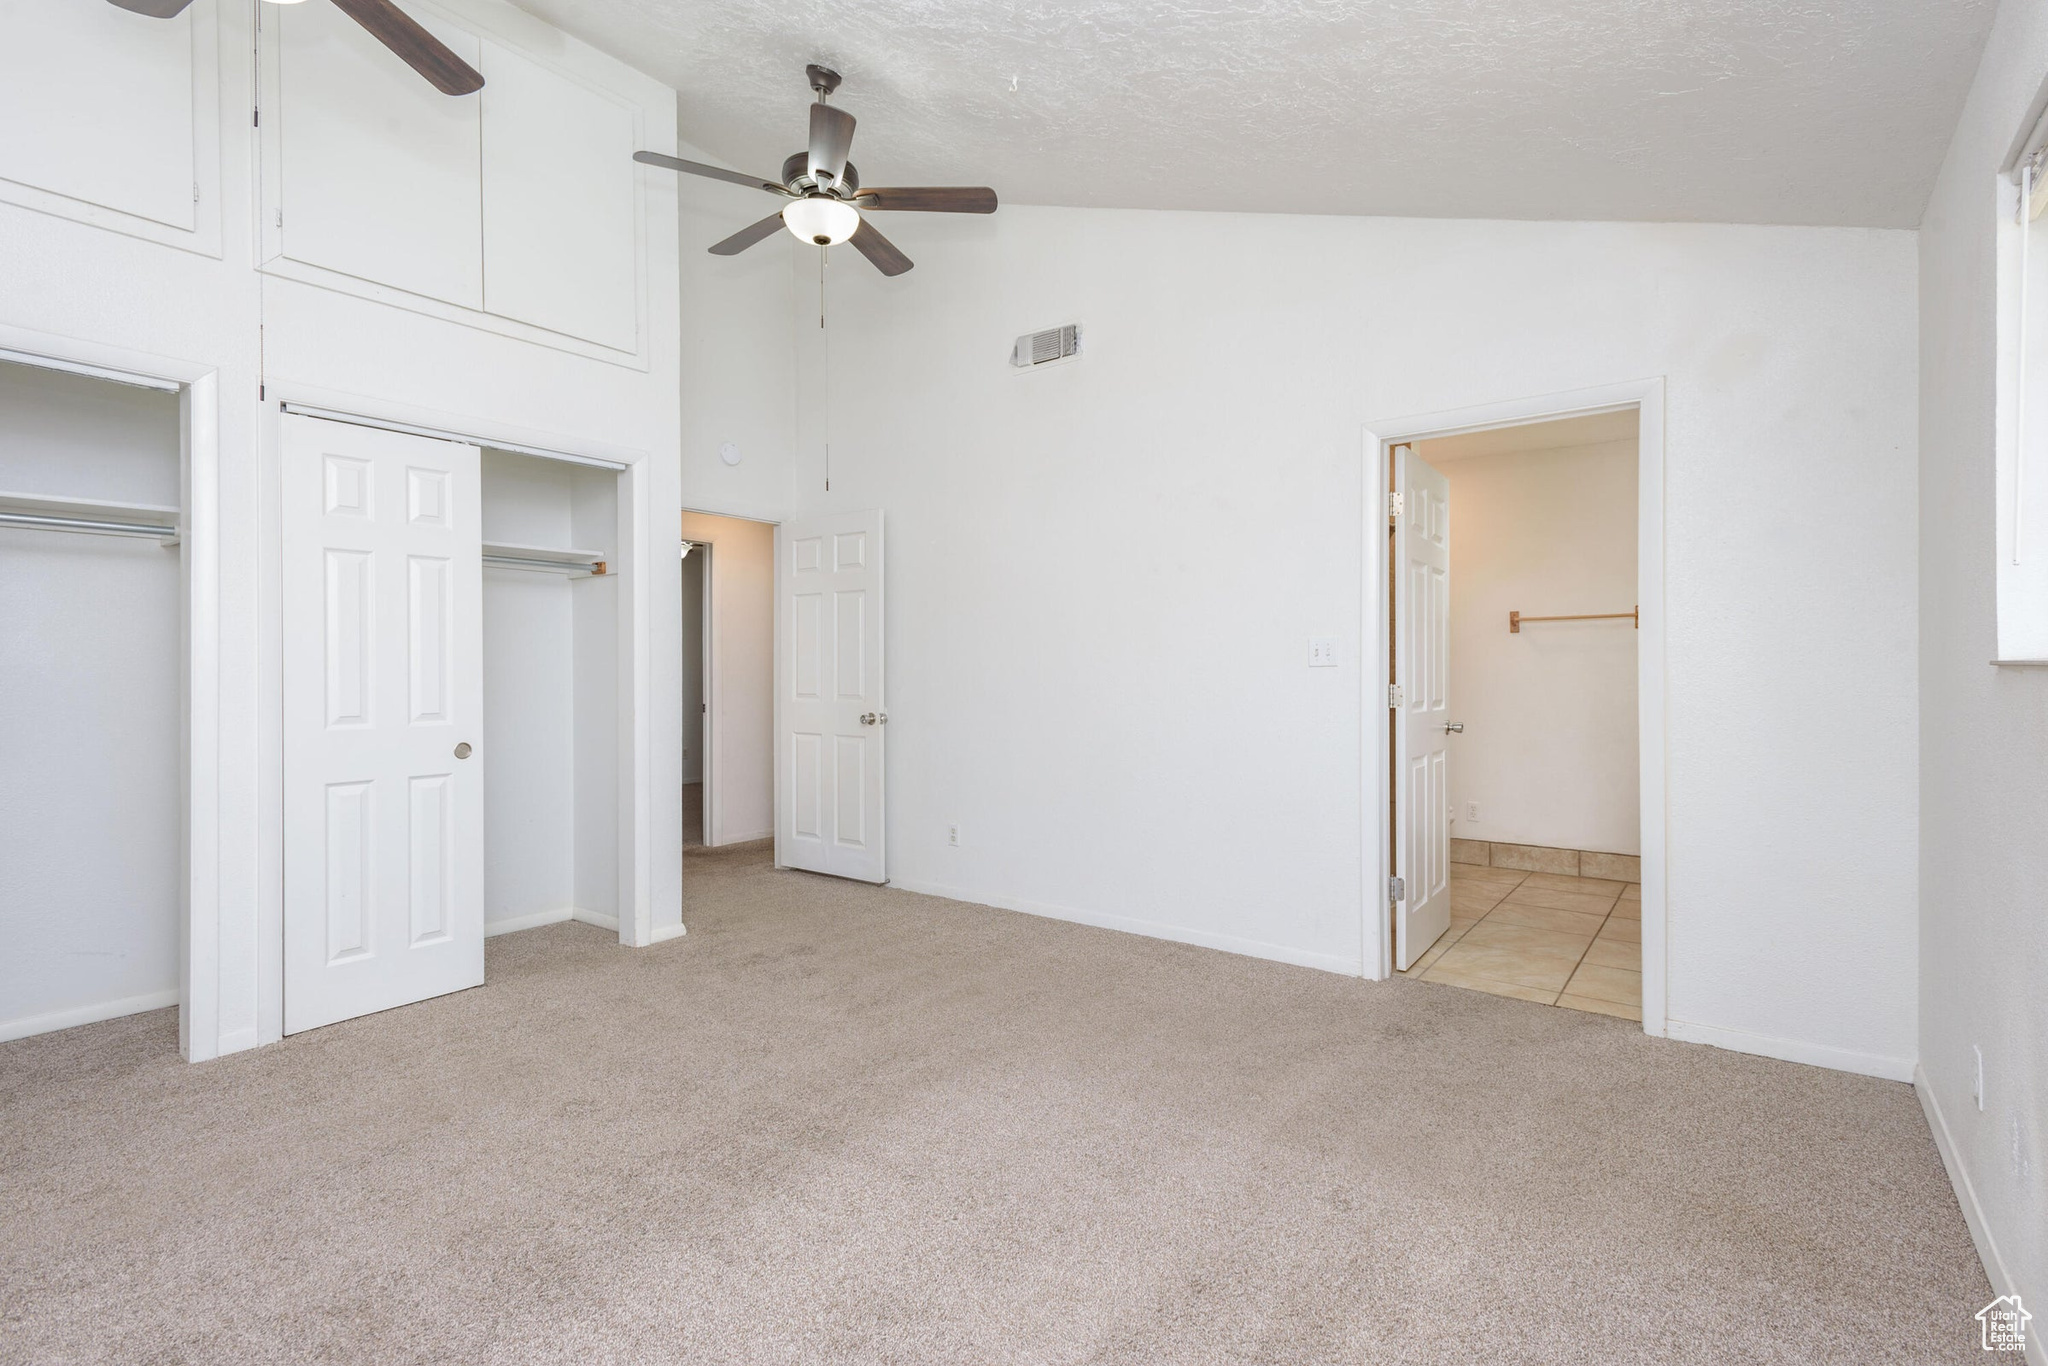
<point>728,641</point>
<point>1520,791</point>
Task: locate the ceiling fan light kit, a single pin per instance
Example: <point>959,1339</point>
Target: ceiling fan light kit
<point>827,204</point>
<point>820,219</point>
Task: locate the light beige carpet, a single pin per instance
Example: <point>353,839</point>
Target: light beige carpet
<point>844,1124</point>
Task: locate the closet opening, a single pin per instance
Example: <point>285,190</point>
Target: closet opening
<point>550,692</point>
<point>1517,578</point>
<point>728,646</point>
<point>93,635</point>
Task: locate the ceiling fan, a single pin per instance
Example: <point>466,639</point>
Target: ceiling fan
<point>824,192</point>
<point>387,23</point>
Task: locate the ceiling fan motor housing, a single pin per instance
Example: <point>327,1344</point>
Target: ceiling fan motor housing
<point>796,174</point>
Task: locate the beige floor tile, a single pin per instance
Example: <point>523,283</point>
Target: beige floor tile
<point>1512,912</point>
<point>1585,886</point>
<point>1543,969</point>
<point>1628,910</point>
<point>1595,904</point>
<point>1435,951</point>
<point>1615,953</point>
<point>1500,934</point>
<point>1632,892</point>
<point>1607,984</point>
<point>1521,993</point>
<point>1597,1007</point>
<point>1471,875</point>
<point>1476,898</point>
<point>1627,931</point>
<point>1535,858</point>
<point>1623,867</point>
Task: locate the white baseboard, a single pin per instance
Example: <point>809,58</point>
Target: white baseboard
<point>747,838</point>
<point>664,933</point>
<point>1150,929</point>
<point>29,1025</point>
<point>597,918</point>
<point>532,921</point>
<point>1792,1050</point>
<point>1995,1269</point>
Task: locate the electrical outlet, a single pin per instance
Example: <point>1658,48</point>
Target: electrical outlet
<point>953,835</point>
<point>1472,812</point>
<point>1977,1075</point>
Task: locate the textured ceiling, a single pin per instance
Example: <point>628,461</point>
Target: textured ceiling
<point>1758,111</point>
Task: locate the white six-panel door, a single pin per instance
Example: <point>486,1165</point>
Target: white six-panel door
<point>1422,619</point>
<point>383,696</point>
<point>830,725</point>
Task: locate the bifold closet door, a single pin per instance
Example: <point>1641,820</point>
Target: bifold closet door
<point>383,714</point>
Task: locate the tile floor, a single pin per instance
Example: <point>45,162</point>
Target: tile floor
<point>1564,941</point>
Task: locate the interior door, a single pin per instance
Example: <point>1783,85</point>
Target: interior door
<point>1422,617</point>
<point>383,702</point>
<point>830,721</point>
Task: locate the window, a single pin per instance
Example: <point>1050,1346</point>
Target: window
<point>2022,463</point>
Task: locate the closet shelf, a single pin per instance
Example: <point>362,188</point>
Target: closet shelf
<point>96,516</point>
<point>544,557</point>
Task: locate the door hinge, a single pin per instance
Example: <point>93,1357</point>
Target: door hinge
<point>1394,505</point>
<point>1395,697</point>
<point>1397,890</point>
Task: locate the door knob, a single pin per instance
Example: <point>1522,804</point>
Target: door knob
<point>874,718</point>
<point>867,718</point>
<point>462,750</point>
<point>1454,727</point>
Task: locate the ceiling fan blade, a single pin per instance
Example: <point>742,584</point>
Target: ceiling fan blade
<point>831,140</point>
<point>879,250</point>
<point>715,172</point>
<point>932,199</point>
<point>416,47</point>
<point>747,236</point>
<point>155,9</point>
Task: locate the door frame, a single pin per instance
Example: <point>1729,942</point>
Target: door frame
<point>714,750</point>
<point>1646,396</point>
<point>210,745</point>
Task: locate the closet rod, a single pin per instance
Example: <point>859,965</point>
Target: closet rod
<point>1515,619</point>
<point>166,534</point>
<point>595,569</point>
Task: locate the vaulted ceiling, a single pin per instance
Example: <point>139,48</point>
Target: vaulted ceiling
<point>1757,111</point>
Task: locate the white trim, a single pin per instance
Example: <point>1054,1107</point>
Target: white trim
<point>29,1025</point>
<point>72,367</point>
<point>200,1035</point>
<point>748,838</point>
<point>1792,1050</point>
<point>1340,963</point>
<point>597,918</point>
<point>1376,951</point>
<point>384,424</point>
<point>532,921</point>
<point>1995,1268</point>
<point>667,932</point>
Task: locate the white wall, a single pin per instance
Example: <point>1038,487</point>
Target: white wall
<point>1983,730</point>
<point>70,281</point>
<point>1549,747</point>
<point>741,789</point>
<point>1103,576</point>
<point>90,630</point>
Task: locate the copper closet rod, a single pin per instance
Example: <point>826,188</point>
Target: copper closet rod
<point>1634,614</point>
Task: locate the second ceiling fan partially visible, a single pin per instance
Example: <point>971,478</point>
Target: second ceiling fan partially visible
<point>386,22</point>
<point>824,191</point>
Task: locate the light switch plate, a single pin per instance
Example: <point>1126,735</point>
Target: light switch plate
<point>1322,652</point>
